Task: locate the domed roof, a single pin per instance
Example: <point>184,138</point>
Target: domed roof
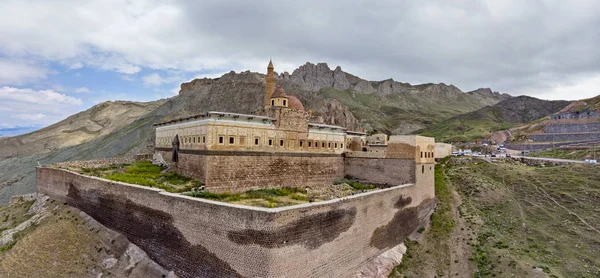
<point>279,93</point>
<point>295,103</point>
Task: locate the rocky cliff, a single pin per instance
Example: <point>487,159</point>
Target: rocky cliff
<point>337,97</point>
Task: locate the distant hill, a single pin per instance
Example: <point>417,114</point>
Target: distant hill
<point>99,120</point>
<point>18,130</point>
<point>504,115</point>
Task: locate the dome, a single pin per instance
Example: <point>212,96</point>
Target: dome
<point>295,103</point>
<point>279,93</point>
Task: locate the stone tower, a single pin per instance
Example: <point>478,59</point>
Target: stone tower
<point>270,78</point>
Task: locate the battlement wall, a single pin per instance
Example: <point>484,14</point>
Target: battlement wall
<point>203,238</point>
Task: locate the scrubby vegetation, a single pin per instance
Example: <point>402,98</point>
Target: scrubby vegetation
<point>355,184</point>
<point>531,219</point>
<point>435,238</point>
<point>262,197</point>
<point>568,154</point>
<point>144,173</point>
<point>519,221</point>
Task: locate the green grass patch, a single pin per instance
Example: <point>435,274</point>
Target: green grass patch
<point>144,173</point>
<point>270,197</point>
<point>355,184</point>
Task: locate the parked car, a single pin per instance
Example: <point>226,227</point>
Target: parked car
<point>493,155</point>
<point>508,155</point>
<point>525,153</point>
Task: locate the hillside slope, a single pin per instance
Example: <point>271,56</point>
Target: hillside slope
<point>99,120</point>
<point>503,115</point>
<point>46,238</point>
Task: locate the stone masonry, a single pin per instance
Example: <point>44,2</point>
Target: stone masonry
<point>202,238</point>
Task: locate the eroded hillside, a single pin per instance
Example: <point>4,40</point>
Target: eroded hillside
<point>82,127</point>
<point>46,238</point>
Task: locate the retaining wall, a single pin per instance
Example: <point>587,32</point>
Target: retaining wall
<point>202,238</point>
<point>564,137</point>
<point>569,128</point>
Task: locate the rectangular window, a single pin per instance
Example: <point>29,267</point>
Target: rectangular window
<point>270,142</point>
<point>220,139</point>
<point>301,143</point>
<point>231,140</point>
<point>194,139</point>
<point>342,145</point>
<point>203,139</point>
<point>329,145</point>
<point>242,140</point>
<point>256,141</point>
<point>421,154</point>
<point>323,145</point>
<point>336,145</point>
<point>272,102</point>
<point>281,143</point>
<point>309,144</point>
<point>284,102</point>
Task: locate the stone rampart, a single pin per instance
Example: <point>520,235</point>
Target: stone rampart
<point>571,128</point>
<point>391,171</point>
<point>202,238</point>
<point>99,163</point>
<point>238,171</point>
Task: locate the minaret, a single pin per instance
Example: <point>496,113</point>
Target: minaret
<point>270,78</point>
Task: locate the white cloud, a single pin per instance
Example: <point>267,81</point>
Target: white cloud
<point>498,44</point>
<point>155,79</point>
<point>40,107</point>
<point>17,72</point>
<point>75,66</point>
<point>82,90</point>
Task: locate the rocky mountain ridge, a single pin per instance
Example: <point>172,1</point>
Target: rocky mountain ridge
<point>390,105</point>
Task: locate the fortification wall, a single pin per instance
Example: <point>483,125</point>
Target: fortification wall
<point>380,171</point>
<point>235,171</point>
<point>442,150</point>
<point>570,128</point>
<point>564,137</point>
<point>202,238</point>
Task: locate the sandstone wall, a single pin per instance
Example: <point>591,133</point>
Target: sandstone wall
<point>569,128</point>
<point>201,238</point>
<point>380,171</point>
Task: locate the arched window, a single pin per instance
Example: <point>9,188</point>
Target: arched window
<point>272,102</point>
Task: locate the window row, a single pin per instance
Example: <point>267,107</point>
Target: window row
<point>427,154</point>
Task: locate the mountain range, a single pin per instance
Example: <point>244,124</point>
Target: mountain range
<point>335,97</point>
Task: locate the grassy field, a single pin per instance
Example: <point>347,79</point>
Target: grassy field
<point>567,154</point>
<point>531,221</point>
<point>144,173</point>
<point>287,196</point>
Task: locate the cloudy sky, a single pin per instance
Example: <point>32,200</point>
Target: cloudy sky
<point>61,57</point>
